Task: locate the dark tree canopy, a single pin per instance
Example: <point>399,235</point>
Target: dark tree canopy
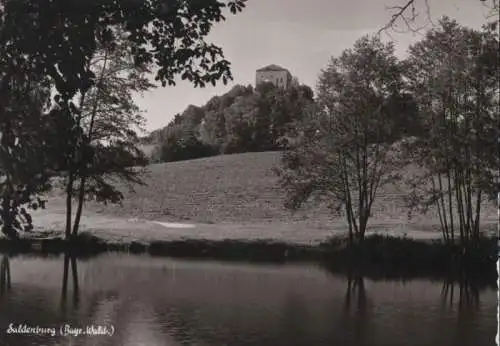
<point>54,42</point>
<point>59,37</point>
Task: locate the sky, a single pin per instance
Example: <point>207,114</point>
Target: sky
<point>300,35</point>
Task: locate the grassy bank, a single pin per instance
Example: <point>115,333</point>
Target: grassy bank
<point>379,257</point>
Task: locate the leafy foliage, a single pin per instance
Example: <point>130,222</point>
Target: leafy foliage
<point>60,37</point>
<point>454,76</point>
<point>108,120</point>
<point>28,152</point>
<point>57,43</point>
<point>184,148</point>
<point>242,120</point>
<point>343,149</point>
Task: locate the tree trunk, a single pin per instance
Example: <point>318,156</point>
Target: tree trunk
<point>469,202</point>
<point>78,215</point>
<point>440,214</point>
<point>478,212</point>
<point>450,205</point>
<point>460,204</point>
<point>69,196</point>
<point>443,207</point>
<point>83,162</point>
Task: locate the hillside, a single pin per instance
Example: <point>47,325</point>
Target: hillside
<point>242,188</point>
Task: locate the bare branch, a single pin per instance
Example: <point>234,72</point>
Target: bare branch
<point>400,10</point>
<point>407,14</point>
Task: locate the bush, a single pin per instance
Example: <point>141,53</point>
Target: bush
<point>178,149</point>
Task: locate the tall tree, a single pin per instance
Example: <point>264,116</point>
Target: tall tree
<point>27,150</point>
<point>341,150</point>
<point>108,120</point>
<point>454,75</point>
<point>57,39</point>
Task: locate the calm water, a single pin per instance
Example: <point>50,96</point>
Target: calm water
<point>152,301</point>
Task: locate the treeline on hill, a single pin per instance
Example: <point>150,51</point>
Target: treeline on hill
<point>244,119</point>
<point>248,119</point>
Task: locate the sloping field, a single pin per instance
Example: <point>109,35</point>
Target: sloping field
<point>243,189</point>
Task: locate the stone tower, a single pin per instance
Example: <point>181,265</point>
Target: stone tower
<point>275,74</point>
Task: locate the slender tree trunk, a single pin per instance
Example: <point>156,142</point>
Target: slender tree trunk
<point>83,177</point>
<point>348,200</point>
<point>478,212</point>
<point>440,214</point>
<point>450,203</point>
<point>470,203</point>
<point>443,207</point>
<point>350,222</point>
<point>360,187</point>
<point>69,196</point>
<point>460,206</point>
<point>364,214</point>
<point>81,197</point>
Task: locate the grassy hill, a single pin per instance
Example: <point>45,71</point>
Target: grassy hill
<point>241,188</point>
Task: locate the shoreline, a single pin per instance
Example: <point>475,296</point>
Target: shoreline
<point>382,257</point>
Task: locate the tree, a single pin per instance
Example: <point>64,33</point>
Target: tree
<point>221,124</point>
<point>28,147</point>
<point>107,122</point>
<point>408,12</point>
<point>340,150</point>
<point>55,40</point>
<point>286,108</point>
<point>186,147</point>
<point>59,37</point>
<point>454,75</point>
<point>241,120</point>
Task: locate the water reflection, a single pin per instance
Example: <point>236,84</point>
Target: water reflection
<point>165,302</point>
<point>5,282</point>
<point>468,295</point>
<point>70,261</point>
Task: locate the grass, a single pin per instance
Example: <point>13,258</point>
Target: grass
<point>240,188</point>
<point>209,190</point>
<point>400,258</point>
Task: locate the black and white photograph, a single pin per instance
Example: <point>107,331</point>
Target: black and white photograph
<point>249,172</point>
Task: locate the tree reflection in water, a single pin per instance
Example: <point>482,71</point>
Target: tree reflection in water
<point>5,283</point>
<point>355,308</point>
<point>70,260</point>
<point>468,294</point>
<point>467,304</point>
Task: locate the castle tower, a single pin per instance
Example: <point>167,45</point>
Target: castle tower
<point>275,74</point>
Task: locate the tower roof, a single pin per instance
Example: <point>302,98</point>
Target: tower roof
<point>272,67</point>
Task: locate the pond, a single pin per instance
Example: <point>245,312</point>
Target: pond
<point>139,300</point>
